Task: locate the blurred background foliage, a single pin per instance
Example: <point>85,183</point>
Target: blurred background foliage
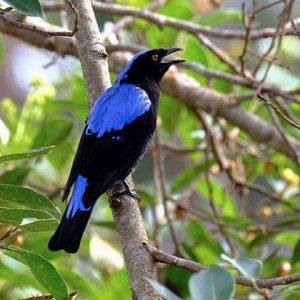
<point>44,108</point>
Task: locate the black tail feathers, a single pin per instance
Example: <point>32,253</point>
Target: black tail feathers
<point>69,232</point>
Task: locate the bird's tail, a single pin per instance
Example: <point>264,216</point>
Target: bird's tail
<point>72,225</point>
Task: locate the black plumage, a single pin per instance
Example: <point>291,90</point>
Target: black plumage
<point>114,140</point>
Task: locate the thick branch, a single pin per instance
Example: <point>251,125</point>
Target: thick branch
<point>91,51</point>
<point>127,215</point>
<point>163,21</point>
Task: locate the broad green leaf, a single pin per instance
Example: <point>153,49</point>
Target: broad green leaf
<point>43,271</point>
<point>41,225</point>
<point>27,7</point>
<point>29,219</point>
<point>163,290</point>
<point>26,154</point>
<point>215,283</point>
<point>53,132</point>
<point>24,196</point>
<point>248,267</point>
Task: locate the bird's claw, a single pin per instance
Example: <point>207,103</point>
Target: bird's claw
<point>130,192</point>
<point>133,194</point>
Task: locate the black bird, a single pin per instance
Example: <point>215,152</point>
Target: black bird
<point>113,142</point>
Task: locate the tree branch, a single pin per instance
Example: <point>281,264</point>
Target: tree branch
<point>126,212</point>
<point>190,92</point>
<point>181,86</point>
<point>164,21</point>
<point>160,256</point>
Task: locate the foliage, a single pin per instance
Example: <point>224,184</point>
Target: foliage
<point>38,141</point>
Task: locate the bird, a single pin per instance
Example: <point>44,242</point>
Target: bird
<point>114,140</point>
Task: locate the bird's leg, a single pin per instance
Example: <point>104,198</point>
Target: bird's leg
<point>130,192</point>
<point>127,191</point>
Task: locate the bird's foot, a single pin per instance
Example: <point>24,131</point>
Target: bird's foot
<point>114,197</point>
<point>133,194</point>
<point>130,192</point>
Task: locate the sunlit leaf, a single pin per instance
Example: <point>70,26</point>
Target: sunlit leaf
<point>43,271</point>
<point>215,283</point>
<point>26,154</point>
<point>248,267</point>
<point>24,196</point>
<point>27,7</point>
<point>29,219</point>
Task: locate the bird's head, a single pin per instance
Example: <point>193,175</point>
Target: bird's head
<point>148,65</point>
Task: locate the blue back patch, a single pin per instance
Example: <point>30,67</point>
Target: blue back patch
<point>76,203</point>
<point>116,107</point>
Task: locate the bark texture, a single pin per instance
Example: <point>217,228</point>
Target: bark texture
<point>126,212</point>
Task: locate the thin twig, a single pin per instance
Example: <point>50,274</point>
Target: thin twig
<point>160,182</point>
<point>160,256</point>
<point>279,126</point>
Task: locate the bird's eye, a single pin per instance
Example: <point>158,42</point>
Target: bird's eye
<point>155,57</point>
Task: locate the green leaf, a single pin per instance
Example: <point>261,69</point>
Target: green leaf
<point>217,17</point>
<point>186,176</point>
<point>27,7</point>
<point>43,271</point>
<point>162,290</point>
<point>29,219</point>
<point>169,113</point>
<point>296,253</point>
<point>106,224</point>
<point>248,267</point>
<point>26,154</point>
<point>24,196</point>
<point>199,234</point>
<point>15,176</point>
<point>215,283</point>
<point>53,132</point>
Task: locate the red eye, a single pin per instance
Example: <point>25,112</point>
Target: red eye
<point>155,57</point>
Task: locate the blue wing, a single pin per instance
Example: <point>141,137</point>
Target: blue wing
<point>118,106</point>
<point>120,122</point>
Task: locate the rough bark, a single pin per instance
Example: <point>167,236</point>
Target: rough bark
<point>127,215</point>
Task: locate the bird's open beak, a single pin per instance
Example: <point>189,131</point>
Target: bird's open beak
<point>172,62</point>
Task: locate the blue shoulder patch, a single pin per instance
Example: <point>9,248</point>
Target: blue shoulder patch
<point>76,203</point>
<point>116,107</point>
<point>123,73</point>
